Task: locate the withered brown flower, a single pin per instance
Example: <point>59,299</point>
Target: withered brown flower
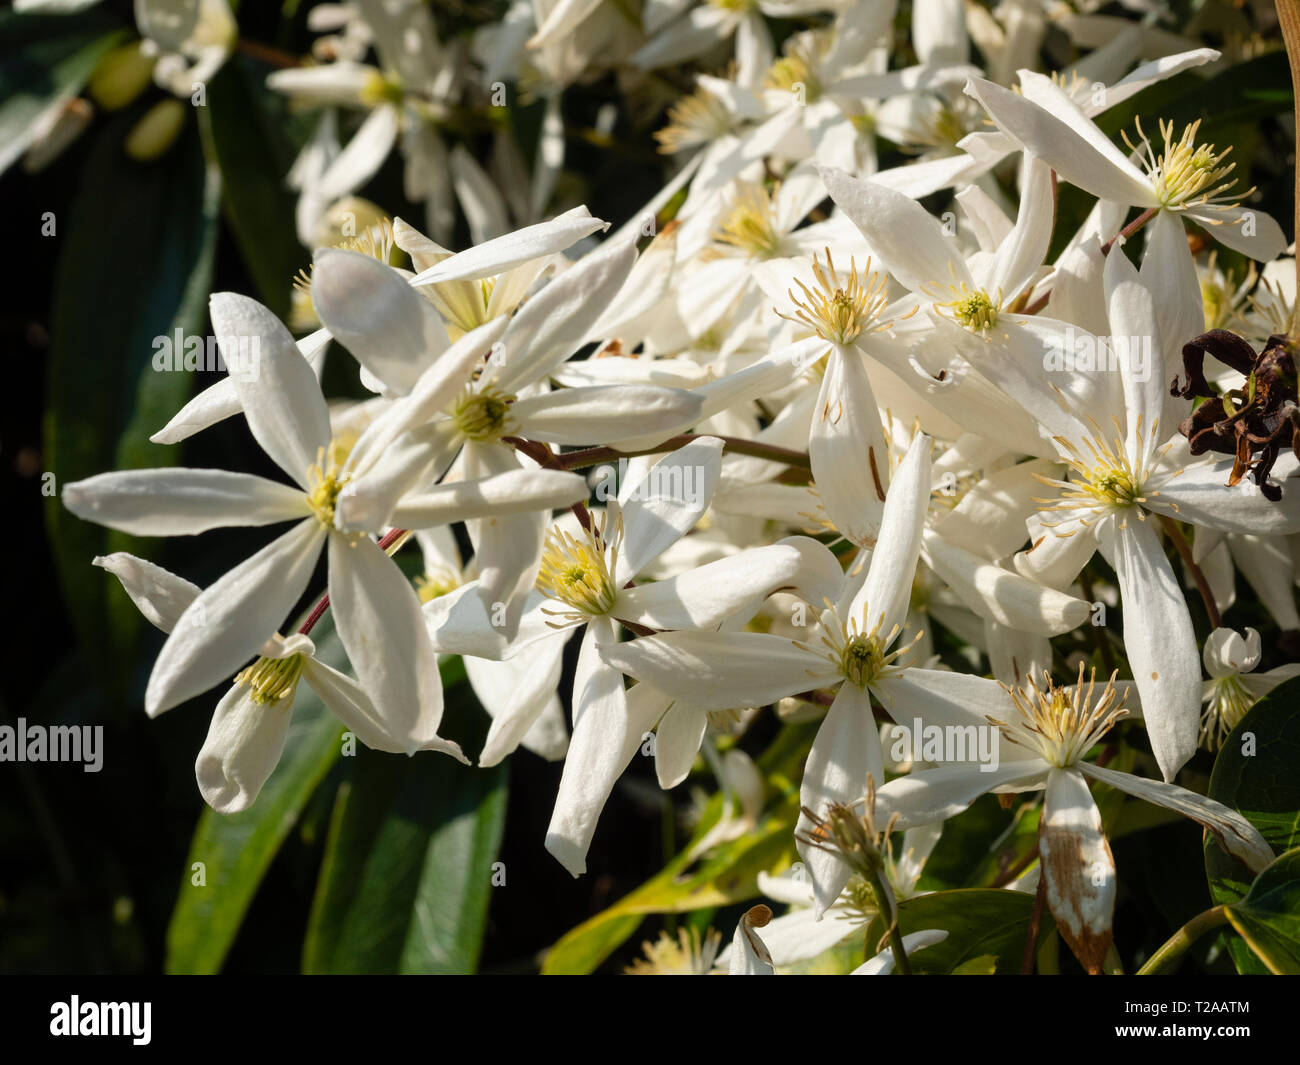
<point>1251,423</point>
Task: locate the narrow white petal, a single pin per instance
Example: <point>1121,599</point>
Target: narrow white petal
<point>1237,835</point>
<point>162,597</point>
<point>242,748</point>
<point>277,387</point>
<point>181,502</point>
<point>1160,643</point>
<point>232,618</point>
<point>1077,867</point>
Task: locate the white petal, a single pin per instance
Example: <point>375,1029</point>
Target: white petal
<point>882,600</point>
<point>845,752</point>
<point>512,492</point>
<point>378,619</point>
<point>162,597</point>
<point>608,727</point>
<point>721,670</point>
<point>243,747</point>
<point>664,505</point>
<point>909,241</point>
<point>556,321</point>
<point>1237,835</point>
<point>281,397</point>
<point>847,448</point>
<point>1065,139</point>
<point>232,618</point>
<point>1078,867</point>
<point>599,413</point>
<point>182,502</point>
<point>371,310</point>
<point>938,794</point>
<point>1160,643</point>
<point>513,249</point>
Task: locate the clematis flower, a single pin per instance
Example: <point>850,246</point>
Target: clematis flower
<point>377,614</point>
<point>851,651</point>
<point>587,581</point>
<point>1178,178</point>
<point>251,723</point>
<point>1234,686</point>
<point>1045,734</point>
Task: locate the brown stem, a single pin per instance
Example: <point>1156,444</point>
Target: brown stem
<point>318,611</point>
<point>1184,550</point>
<point>1035,920</point>
<point>1131,228</point>
<point>593,456</point>
<point>1015,870</point>
<point>267,54</point>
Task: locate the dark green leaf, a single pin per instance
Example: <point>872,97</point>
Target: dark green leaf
<point>409,867</point>
<point>1255,773</point>
<point>136,265</point>
<point>236,849</point>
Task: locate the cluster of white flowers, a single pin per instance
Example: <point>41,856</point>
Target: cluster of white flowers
<point>818,422</point>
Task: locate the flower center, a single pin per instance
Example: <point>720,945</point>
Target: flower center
<point>436,582</point>
<point>793,72</point>
<point>578,570</point>
<point>1062,726</point>
<point>1228,701</point>
<point>973,309</point>
<point>327,479</point>
<point>861,657</point>
<point>272,679</point>
<point>750,225</point>
<point>1187,174</point>
<point>695,119</point>
<point>839,310</point>
<point>1102,481</point>
<point>482,415</point>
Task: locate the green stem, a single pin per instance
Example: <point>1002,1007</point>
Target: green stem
<point>888,909</point>
<point>1198,575</point>
<point>1165,959</point>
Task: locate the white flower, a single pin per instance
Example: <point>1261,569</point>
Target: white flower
<point>1234,687</point>
<point>1045,733</point>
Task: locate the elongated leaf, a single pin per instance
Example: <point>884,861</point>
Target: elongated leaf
<point>1268,918</point>
<point>981,923</point>
<point>1255,774</point>
<point>409,866</point>
<point>245,134</point>
<point>136,265</point>
<point>236,849</point>
<point>43,63</point>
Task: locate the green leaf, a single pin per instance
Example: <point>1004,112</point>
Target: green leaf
<point>237,849</point>
<point>727,874</point>
<point>409,867</point>
<point>1255,774</point>
<point>43,61</point>
<point>980,922</point>
<point>244,133</point>
<point>136,264</point>
<point>1268,918</point>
